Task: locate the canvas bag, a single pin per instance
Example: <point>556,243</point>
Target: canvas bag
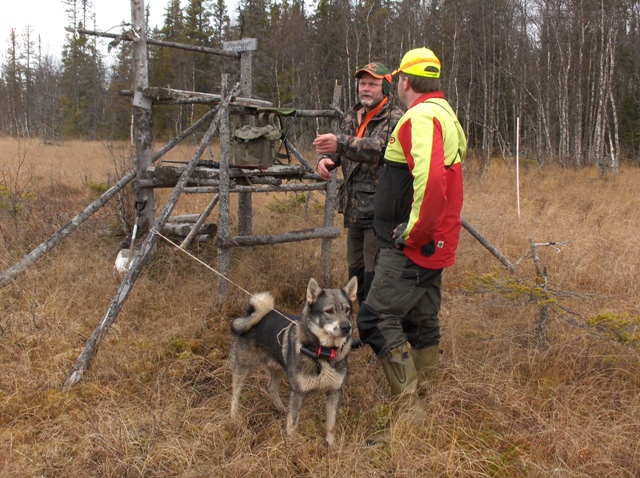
<point>252,146</point>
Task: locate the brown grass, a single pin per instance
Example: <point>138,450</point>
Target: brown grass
<point>508,401</point>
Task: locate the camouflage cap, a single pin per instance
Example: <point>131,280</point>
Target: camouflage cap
<point>375,69</point>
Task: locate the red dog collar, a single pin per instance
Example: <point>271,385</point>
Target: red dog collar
<point>320,353</point>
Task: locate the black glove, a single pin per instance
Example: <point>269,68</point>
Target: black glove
<point>428,249</point>
<point>397,235</point>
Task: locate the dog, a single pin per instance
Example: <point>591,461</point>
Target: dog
<point>311,350</point>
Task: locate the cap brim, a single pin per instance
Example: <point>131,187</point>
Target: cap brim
<point>375,75</point>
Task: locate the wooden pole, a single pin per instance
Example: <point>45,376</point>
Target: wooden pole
<point>203,217</point>
<point>128,36</point>
<point>330,202</point>
<point>245,203</point>
<point>518,164</point>
<point>84,361</point>
<point>143,135</point>
<point>299,156</point>
<point>224,223</point>
<point>269,239</point>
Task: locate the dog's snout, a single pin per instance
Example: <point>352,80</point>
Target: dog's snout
<point>345,328</point>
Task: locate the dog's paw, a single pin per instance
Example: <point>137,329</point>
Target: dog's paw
<point>331,440</point>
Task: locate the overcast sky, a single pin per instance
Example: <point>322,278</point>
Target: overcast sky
<point>47,19</point>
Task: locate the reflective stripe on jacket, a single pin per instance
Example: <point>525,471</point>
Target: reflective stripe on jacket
<point>422,183</point>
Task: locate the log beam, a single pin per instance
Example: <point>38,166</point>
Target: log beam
<point>268,239</point>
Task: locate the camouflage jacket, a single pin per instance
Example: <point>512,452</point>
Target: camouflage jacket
<point>361,159</point>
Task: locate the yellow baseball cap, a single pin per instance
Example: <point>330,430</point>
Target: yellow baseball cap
<point>420,62</point>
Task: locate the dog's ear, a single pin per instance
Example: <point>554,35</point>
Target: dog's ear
<point>313,291</point>
<point>351,289</point>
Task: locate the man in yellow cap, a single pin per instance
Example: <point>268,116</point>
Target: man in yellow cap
<point>358,148</point>
<point>417,225</point>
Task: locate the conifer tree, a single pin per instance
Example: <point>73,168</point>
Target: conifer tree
<point>168,69</point>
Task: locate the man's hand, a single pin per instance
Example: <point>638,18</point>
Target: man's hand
<point>325,166</point>
<point>326,143</point>
<point>397,235</point>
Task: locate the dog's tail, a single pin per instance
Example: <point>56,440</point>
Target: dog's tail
<point>259,305</point>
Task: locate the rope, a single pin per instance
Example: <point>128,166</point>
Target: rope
<point>157,233</point>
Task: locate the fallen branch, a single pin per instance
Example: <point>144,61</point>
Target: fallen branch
<point>490,247</point>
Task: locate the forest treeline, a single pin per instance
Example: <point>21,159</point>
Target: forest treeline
<point>568,71</point>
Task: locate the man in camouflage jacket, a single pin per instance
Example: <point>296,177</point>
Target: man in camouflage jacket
<point>359,149</point>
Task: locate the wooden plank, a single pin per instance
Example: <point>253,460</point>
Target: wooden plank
<point>183,229</point>
<point>269,239</point>
<point>173,96</point>
<point>128,36</point>
<point>191,218</point>
<point>201,220</point>
<point>261,189</point>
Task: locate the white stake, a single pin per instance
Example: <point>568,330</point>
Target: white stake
<point>518,163</point>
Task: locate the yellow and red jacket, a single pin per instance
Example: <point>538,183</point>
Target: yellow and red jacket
<point>421,183</point>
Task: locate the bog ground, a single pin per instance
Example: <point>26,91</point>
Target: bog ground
<point>518,394</point>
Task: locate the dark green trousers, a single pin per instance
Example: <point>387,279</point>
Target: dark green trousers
<point>362,254</point>
<point>402,305</point>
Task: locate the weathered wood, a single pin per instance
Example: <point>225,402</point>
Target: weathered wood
<point>159,95</point>
<point>290,171</point>
<point>261,189</point>
<point>283,188</point>
<point>319,113</point>
<point>200,221</point>
<point>299,156</point>
<point>330,202</point>
<point>128,36</point>
<point>490,247</point>
<point>190,218</point>
<point>142,129</point>
<point>202,190</point>
<point>169,183</point>
<point>543,318</point>
<point>256,180</point>
<point>72,225</point>
<point>224,223</point>
<point>245,202</point>
<point>269,239</point>
<point>172,172</point>
<point>240,105</point>
<point>86,356</point>
<point>183,229</point>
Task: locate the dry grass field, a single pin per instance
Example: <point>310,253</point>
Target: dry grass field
<point>516,395</point>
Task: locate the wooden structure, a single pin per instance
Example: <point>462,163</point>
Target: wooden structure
<point>220,182</point>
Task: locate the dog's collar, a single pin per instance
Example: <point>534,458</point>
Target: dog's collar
<point>327,353</point>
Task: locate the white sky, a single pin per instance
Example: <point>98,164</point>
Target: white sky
<point>47,19</point>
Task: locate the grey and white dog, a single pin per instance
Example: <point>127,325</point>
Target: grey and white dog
<point>312,349</point>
